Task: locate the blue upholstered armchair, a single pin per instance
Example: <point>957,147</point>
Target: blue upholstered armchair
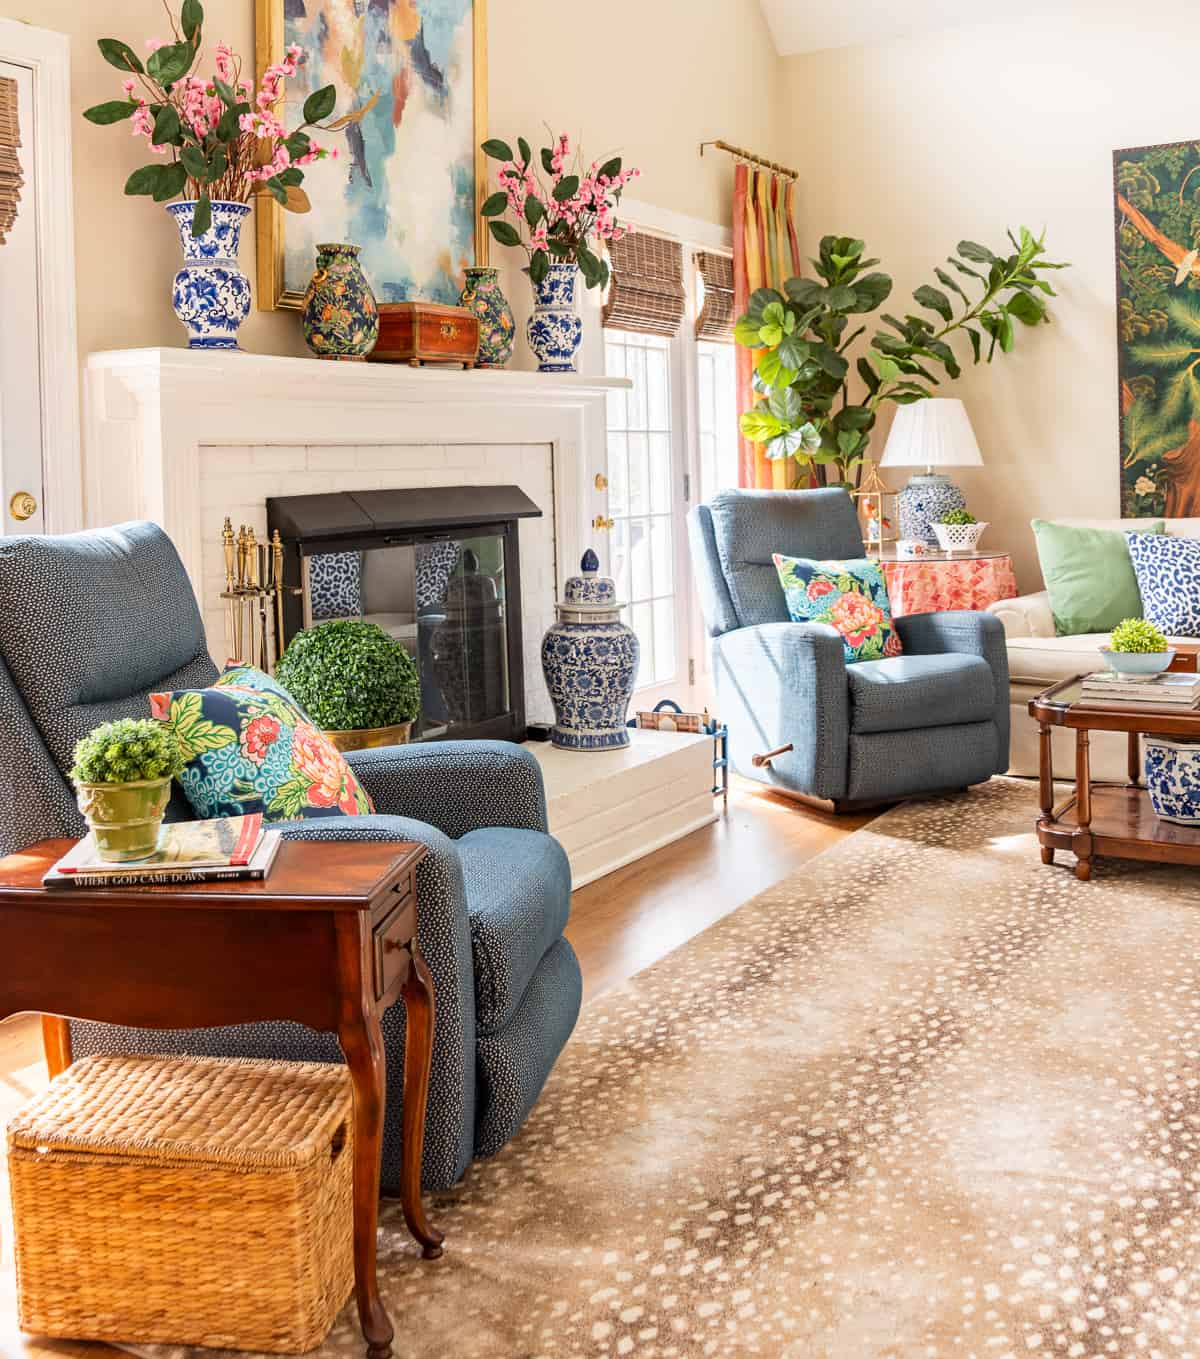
<point>932,719</point>
<point>91,623</point>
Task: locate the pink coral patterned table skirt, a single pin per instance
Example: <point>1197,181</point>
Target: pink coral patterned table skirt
<point>924,586</point>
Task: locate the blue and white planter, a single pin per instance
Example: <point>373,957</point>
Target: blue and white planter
<point>211,295</point>
<point>555,329</point>
<point>922,503</point>
<point>590,660</point>
<point>1173,779</point>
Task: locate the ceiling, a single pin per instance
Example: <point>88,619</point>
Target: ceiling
<point>816,25</point>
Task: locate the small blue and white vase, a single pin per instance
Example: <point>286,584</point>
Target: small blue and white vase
<point>211,295</point>
<point>555,329</point>
<point>927,497</point>
<point>1173,779</point>
<point>590,660</point>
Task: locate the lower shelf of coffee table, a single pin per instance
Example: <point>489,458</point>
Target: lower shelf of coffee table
<point>1123,826</point>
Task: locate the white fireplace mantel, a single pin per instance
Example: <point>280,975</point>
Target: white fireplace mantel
<point>150,412</point>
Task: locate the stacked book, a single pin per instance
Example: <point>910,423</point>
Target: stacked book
<point>1161,693</point>
<point>188,852</point>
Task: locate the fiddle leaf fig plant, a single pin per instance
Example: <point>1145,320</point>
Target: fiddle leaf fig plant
<point>806,406</point>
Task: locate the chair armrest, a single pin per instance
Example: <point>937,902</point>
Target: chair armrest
<point>1026,615</point>
<point>457,786</point>
<point>786,682</point>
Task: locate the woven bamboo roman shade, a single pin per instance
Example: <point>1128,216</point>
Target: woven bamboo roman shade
<point>715,321</point>
<point>10,166</point>
<point>646,294</point>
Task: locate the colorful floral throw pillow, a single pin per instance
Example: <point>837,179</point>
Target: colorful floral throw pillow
<point>850,596</point>
<point>250,748</point>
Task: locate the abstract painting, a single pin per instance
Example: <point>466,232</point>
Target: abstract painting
<point>408,179</point>
<point>1157,199</point>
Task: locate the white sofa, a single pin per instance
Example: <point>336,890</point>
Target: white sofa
<point>1037,658</point>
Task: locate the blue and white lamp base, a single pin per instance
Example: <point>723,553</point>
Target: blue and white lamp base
<point>923,501</point>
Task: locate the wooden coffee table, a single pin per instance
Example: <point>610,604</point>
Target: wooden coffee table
<point>1108,819</point>
<point>328,940</point>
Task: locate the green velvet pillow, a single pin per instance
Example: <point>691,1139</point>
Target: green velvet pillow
<point>1089,575</point>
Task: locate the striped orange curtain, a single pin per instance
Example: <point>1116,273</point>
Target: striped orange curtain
<point>765,254</point>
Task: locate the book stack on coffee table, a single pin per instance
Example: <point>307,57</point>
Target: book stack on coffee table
<point>1160,693</point>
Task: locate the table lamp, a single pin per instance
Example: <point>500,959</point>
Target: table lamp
<point>931,434</point>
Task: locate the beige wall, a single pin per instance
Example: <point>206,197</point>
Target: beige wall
<point>664,76</point>
<point>915,144</point>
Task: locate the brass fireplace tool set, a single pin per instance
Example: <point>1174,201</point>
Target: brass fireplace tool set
<point>253,596</point>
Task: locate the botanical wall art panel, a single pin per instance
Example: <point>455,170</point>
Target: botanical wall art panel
<point>1157,194</point>
<point>407,181</point>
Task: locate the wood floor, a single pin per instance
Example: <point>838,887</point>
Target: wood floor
<point>620,924</point>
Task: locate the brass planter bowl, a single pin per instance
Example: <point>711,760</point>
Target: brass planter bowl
<point>368,738</point>
<point>124,817</point>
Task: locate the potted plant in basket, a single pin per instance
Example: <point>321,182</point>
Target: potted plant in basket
<point>561,216</point>
<point>216,141</point>
<point>122,775</point>
<point>958,531</point>
<point>354,681</point>
<point>1137,649</point>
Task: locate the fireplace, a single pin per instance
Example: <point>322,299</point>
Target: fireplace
<point>438,568</point>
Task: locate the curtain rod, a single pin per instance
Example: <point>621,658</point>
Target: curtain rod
<point>742,154</point>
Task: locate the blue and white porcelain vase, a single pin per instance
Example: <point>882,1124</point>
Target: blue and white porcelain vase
<point>211,295</point>
<point>923,501</point>
<point>555,329</point>
<point>1173,779</point>
<point>590,660</point>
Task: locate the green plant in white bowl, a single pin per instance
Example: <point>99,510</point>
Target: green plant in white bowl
<point>958,531</point>
<point>1137,649</point>
<point>122,775</point>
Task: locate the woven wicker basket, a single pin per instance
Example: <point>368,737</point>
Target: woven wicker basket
<point>181,1200</point>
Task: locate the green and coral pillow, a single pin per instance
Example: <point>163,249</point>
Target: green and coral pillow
<point>248,747</point>
<point>850,596</point>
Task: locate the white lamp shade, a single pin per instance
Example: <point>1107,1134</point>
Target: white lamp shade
<point>932,433</point>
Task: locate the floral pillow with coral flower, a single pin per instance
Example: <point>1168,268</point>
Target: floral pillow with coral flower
<point>249,747</point>
<point>850,596</point>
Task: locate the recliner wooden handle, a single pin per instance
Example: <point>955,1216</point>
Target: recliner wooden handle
<point>760,761</point>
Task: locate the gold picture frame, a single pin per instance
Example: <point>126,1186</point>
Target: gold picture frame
<point>270,218</point>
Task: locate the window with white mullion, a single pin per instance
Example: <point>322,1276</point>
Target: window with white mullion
<point>641,502</point>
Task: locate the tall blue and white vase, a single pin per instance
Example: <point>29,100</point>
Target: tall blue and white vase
<point>555,329</point>
<point>211,295</point>
<point>927,497</point>
<point>590,661</point>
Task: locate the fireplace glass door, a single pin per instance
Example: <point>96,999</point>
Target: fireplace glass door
<point>446,600</point>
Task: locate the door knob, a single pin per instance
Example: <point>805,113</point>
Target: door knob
<point>22,506</point>
<point>602,522</point>
<point>601,482</point>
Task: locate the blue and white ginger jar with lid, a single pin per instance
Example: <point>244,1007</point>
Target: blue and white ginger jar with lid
<point>590,660</point>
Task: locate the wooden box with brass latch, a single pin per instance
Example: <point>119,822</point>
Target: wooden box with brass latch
<point>426,332</point>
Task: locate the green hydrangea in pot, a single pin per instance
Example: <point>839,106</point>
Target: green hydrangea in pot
<point>354,681</point>
<point>1137,650</point>
<point>958,531</point>
<point>122,775</point>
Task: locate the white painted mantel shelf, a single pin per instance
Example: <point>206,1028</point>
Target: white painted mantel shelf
<point>185,437</point>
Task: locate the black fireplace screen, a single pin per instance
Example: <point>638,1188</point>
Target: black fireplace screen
<point>439,569</point>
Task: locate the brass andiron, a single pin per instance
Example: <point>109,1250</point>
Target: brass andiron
<point>253,583</point>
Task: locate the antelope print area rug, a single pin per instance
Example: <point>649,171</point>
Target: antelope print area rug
<point>927,1099</point>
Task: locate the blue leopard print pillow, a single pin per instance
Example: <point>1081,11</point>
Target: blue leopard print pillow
<point>1168,576</point>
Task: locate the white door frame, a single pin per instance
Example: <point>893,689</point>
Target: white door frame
<point>48,55</point>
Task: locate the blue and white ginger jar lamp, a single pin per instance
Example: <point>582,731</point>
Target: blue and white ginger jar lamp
<point>590,660</point>
<point>932,433</point>
<point>211,295</point>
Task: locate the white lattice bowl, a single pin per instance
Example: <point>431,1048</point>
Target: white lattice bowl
<point>959,537</point>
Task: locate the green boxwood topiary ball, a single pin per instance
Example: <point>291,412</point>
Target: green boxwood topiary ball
<point>130,750</point>
<point>349,675</point>
<point>1136,634</point>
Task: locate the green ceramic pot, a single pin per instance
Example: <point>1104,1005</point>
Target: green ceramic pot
<point>125,817</point>
<point>483,297</point>
<point>340,318</point>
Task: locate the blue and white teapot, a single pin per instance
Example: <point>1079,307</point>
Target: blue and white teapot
<point>590,660</point>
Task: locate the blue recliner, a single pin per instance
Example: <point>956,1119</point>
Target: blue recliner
<point>91,623</point>
<point>930,720</point>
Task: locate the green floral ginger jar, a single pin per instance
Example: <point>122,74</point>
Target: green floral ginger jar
<point>483,298</point>
<point>340,318</point>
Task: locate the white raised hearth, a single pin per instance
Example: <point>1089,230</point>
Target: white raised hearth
<point>185,438</point>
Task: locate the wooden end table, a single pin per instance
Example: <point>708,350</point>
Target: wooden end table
<point>328,940</point>
<point>1108,819</point>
